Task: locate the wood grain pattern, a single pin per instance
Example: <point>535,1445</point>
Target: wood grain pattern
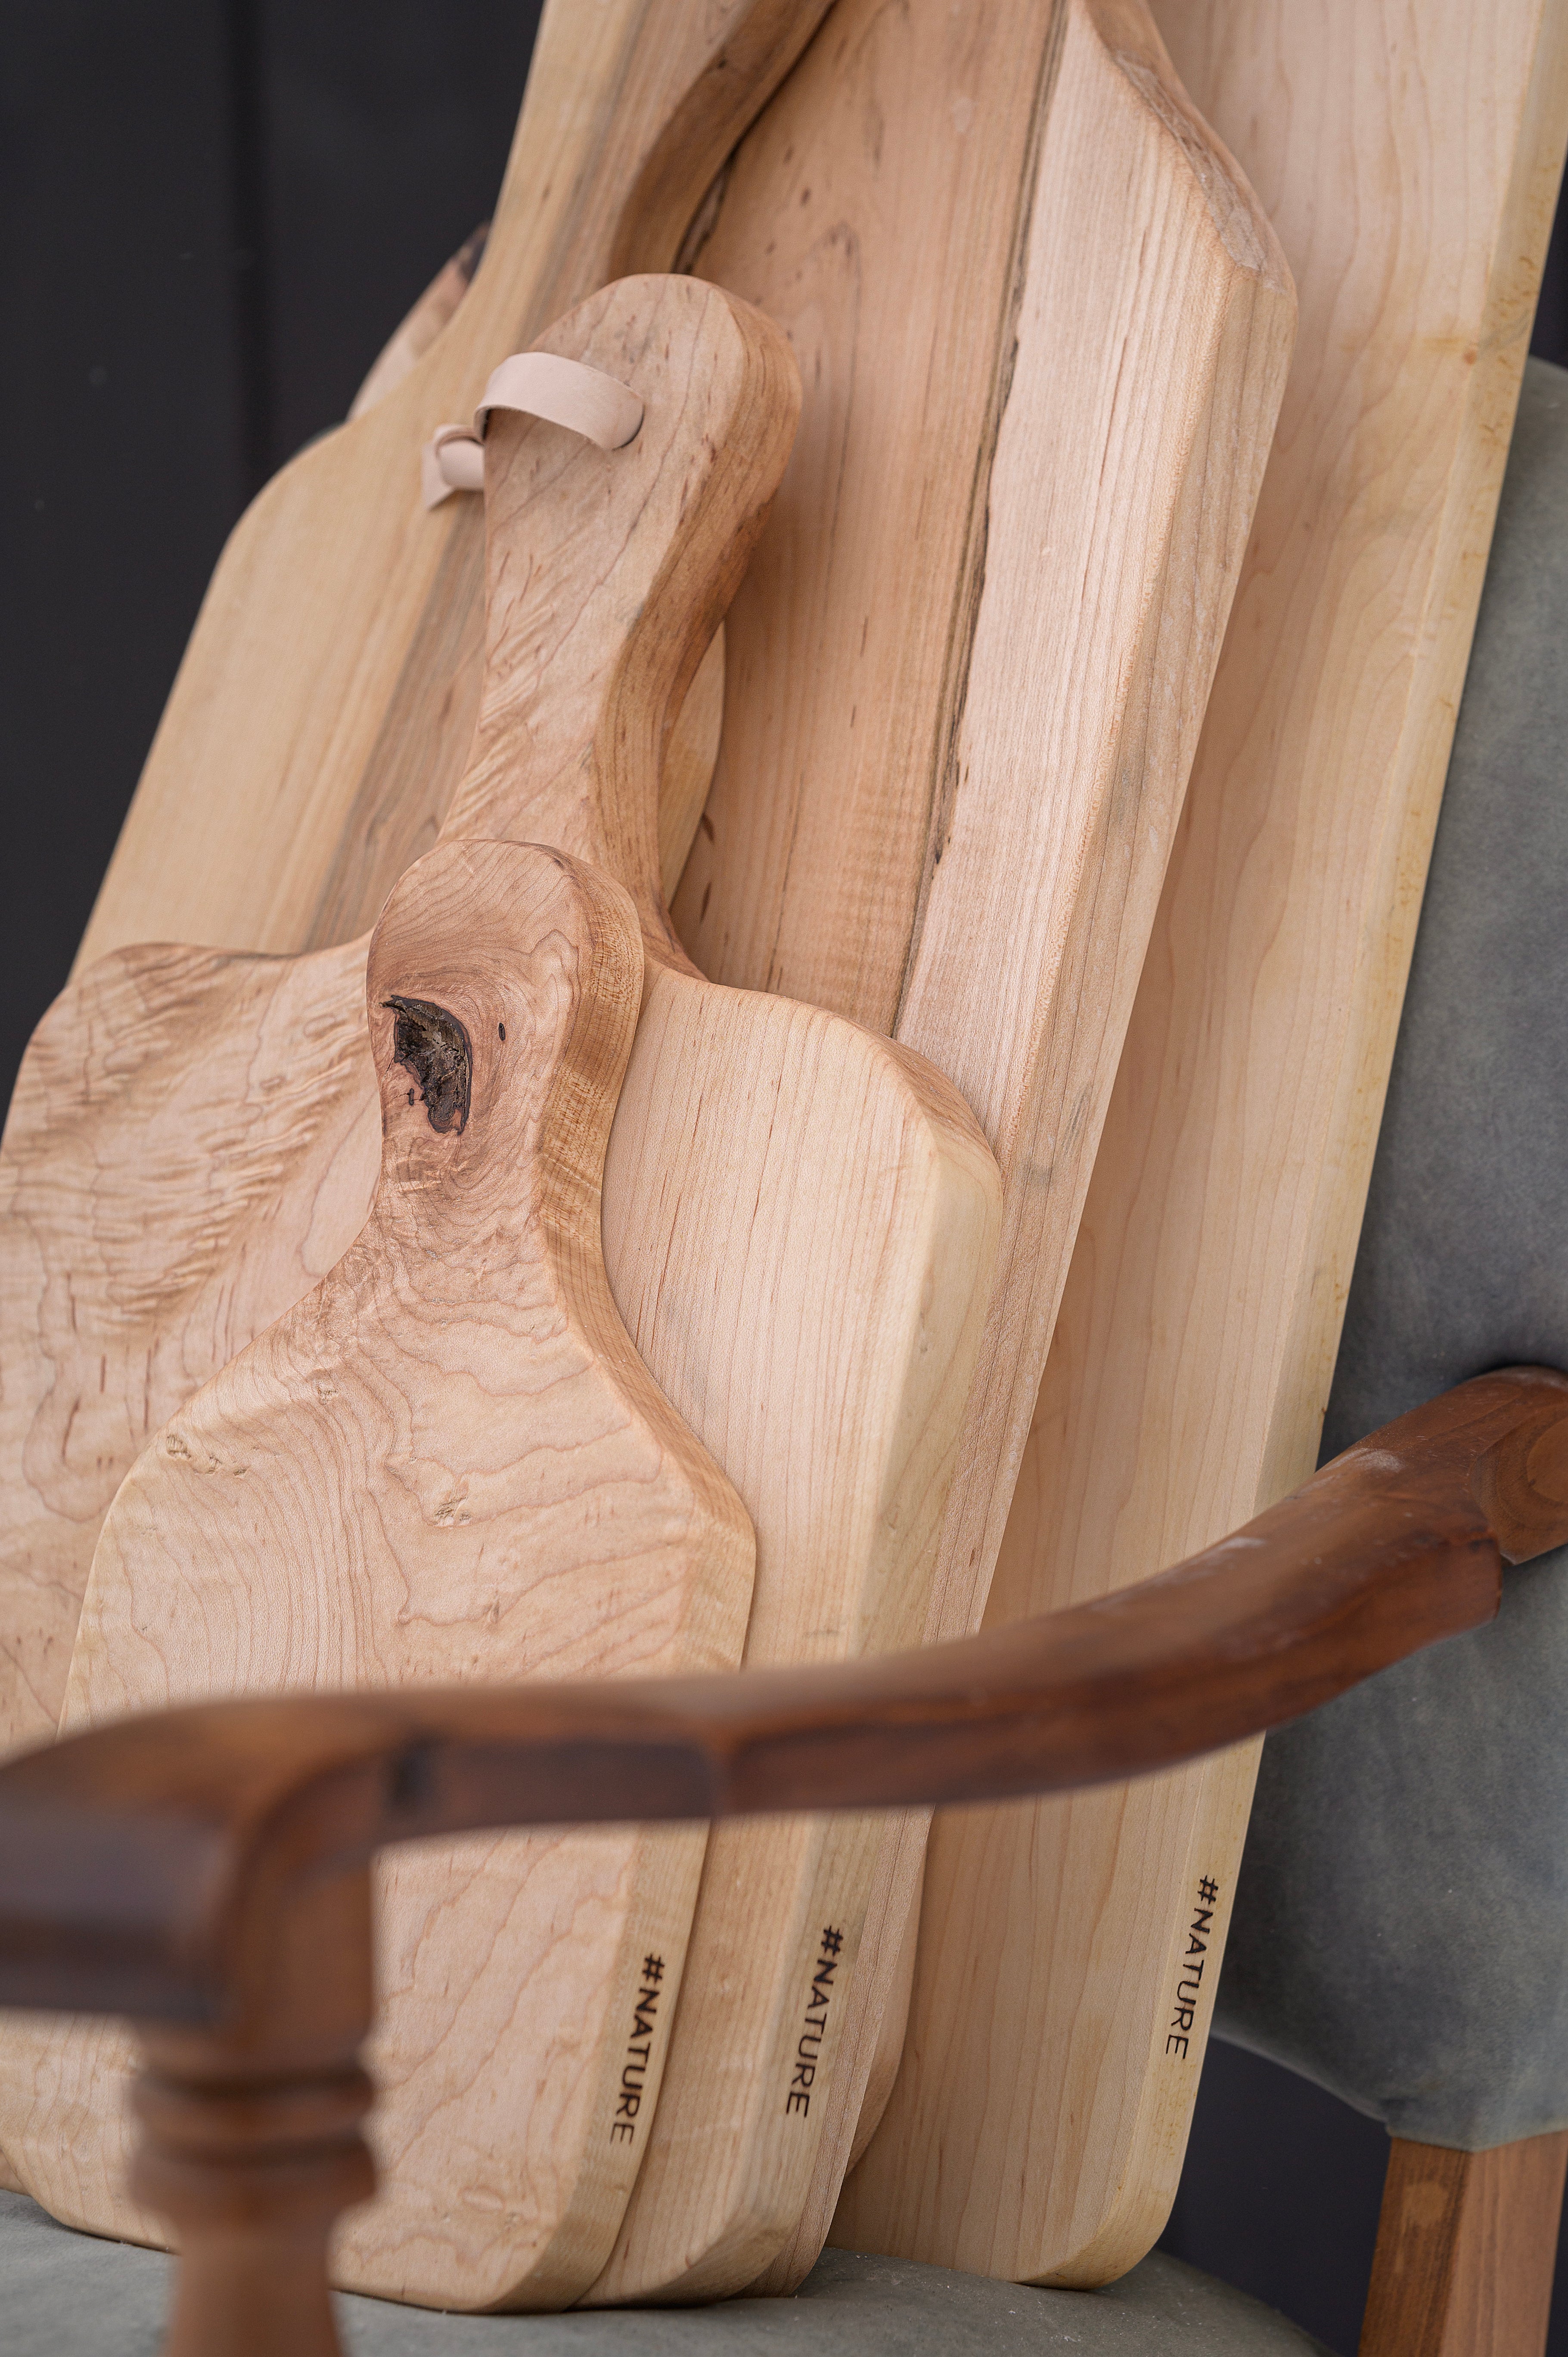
<point>962,829</point>
<point>1409,156</point>
<point>193,1138</point>
<point>1466,2250</point>
<point>204,1871</point>
<point>140,1859</point>
<point>825,1344</point>
<point>693,746</point>
<point>334,673</point>
<point>449,1462</point>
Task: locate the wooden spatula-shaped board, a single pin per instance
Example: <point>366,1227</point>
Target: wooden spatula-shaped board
<point>321,721</point>
<point>309,751</point>
<point>1410,158</point>
<point>193,1137</point>
<point>1044,329</point>
<point>448,1461</point>
<point>841,1320</point>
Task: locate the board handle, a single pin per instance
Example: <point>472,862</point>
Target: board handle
<point>617,529</point>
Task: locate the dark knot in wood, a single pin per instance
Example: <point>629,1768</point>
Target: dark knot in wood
<point>435,1048</point>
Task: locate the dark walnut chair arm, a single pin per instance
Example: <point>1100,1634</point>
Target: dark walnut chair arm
<point>205,1871</point>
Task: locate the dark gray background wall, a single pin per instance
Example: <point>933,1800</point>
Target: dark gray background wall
<point>212,213</point>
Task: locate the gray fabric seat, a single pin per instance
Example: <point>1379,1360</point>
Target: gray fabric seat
<point>1400,1933</point>
<point>65,2295</point>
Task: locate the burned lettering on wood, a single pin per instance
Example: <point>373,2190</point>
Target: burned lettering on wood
<point>1189,1978</point>
<point>639,2046</point>
<point>808,2046</point>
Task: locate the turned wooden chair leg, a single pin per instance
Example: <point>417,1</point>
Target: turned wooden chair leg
<point>250,2138</point>
<point>1467,2249</point>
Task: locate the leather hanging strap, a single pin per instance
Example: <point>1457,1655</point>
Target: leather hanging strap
<point>540,384</point>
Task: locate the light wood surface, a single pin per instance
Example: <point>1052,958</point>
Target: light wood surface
<point>693,746</point>
<point>193,1137</point>
<point>449,1462</point>
<point>606,571</point>
<point>1409,156</point>
<point>1042,329</point>
<point>1466,2250</point>
<point>824,1344</point>
<point>321,717</point>
<point>204,1870</point>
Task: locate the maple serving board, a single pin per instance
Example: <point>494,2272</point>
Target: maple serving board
<point>1042,329</point>
<point>1409,157</point>
<point>968,790</point>
<point>844,1318</point>
<point>310,749</point>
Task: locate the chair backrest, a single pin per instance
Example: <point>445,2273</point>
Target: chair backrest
<point>1400,1933</point>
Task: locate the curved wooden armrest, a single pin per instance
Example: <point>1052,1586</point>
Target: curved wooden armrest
<point>205,1870</point>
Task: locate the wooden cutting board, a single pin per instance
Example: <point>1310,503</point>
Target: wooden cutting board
<point>1042,329</point>
<point>1409,156</point>
<point>310,749</point>
<point>322,714</point>
<point>839,1324</point>
<point>194,1137</point>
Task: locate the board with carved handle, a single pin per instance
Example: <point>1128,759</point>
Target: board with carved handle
<point>1043,327</point>
<point>837,1325</point>
<point>1410,158</point>
<point>309,751</point>
<point>321,721</point>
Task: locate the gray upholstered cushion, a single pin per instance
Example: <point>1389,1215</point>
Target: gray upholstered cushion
<point>65,2295</point>
<point>1401,1917</point>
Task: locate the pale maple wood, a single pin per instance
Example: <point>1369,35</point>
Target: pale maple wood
<point>193,1136</point>
<point>1409,156</point>
<point>319,727</point>
<point>693,746</point>
<point>607,570</point>
<point>825,1344</point>
<point>1466,2250</point>
<point>203,1869</point>
<point>1073,393</point>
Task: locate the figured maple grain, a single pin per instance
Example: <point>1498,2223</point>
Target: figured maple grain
<point>825,1342</point>
<point>331,681</point>
<point>202,1140</point>
<point>193,1137</point>
<point>1409,157</point>
<point>1061,402</point>
<point>205,1869</point>
<point>448,1461</point>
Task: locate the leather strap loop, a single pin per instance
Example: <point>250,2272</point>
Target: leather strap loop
<point>539,385</point>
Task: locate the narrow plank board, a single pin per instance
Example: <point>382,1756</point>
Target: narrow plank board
<point>321,721</point>
<point>1408,156</point>
<point>835,1328</point>
<point>1023,370</point>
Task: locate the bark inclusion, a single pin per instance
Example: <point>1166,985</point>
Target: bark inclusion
<point>434,1047</point>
